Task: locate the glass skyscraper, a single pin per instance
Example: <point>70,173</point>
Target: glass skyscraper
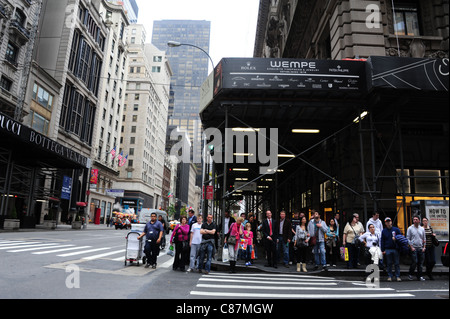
<point>190,69</point>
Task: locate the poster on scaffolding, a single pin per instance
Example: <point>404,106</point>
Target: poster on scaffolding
<point>437,214</point>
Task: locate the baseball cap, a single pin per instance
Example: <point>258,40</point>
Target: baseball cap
<point>387,218</point>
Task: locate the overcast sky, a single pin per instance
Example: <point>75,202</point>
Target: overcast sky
<point>233,22</point>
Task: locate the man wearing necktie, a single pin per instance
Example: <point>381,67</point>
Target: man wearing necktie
<point>270,235</point>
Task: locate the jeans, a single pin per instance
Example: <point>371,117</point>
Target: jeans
<point>392,257</point>
<point>193,258</point>
<point>207,249</point>
<point>417,261</point>
<point>282,248</point>
<point>319,253</point>
<point>248,253</point>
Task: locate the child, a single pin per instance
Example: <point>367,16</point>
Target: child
<point>248,235</point>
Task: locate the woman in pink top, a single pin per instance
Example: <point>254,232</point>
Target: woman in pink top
<point>180,236</point>
<point>248,235</point>
<point>237,231</point>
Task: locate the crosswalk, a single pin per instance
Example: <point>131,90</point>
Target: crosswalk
<point>64,250</point>
<point>280,286</point>
<point>61,250</point>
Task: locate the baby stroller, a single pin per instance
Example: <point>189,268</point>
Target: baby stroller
<point>134,248</point>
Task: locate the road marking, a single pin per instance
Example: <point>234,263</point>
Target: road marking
<point>253,287</point>
<point>243,281</point>
<point>298,296</point>
<point>83,252</point>
<point>46,246</point>
<point>59,250</point>
<point>104,255</point>
<point>18,245</point>
<point>21,246</point>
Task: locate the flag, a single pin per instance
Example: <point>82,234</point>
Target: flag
<point>124,161</point>
<point>119,157</point>
<point>113,152</point>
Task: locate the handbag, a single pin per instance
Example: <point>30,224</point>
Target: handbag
<point>231,239</point>
<point>434,240</point>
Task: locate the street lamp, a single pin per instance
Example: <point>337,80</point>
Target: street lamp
<point>175,44</point>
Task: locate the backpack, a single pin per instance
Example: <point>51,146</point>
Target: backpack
<point>402,244</point>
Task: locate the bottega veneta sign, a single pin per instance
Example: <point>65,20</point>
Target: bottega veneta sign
<point>31,137</point>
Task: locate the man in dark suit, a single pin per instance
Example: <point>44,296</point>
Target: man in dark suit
<point>270,234</point>
<point>284,238</point>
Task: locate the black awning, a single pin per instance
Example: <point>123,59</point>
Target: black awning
<point>409,73</point>
<point>31,147</point>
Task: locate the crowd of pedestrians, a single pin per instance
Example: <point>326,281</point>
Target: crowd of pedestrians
<point>300,241</point>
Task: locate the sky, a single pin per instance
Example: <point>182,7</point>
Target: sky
<point>233,22</point>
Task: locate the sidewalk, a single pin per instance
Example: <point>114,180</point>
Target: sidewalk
<point>339,271</point>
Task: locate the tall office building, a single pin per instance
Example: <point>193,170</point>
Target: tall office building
<point>144,123</point>
<point>190,69</point>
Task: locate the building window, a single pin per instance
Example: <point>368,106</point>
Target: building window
<point>157,58</point>
<point>39,123</point>
<point>406,19</point>
<point>156,69</point>
<point>5,84</point>
<point>42,96</point>
<point>12,53</point>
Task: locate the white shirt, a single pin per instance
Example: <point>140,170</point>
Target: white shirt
<point>195,230</point>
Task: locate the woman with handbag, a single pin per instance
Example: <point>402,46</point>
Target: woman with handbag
<point>431,242</point>
<point>301,240</point>
<point>234,235</point>
<point>332,243</point>
<point>180,236</point>
<point>372,251</point>
<point>351,234</point>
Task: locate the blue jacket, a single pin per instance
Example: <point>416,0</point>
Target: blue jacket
<point>386,238</point>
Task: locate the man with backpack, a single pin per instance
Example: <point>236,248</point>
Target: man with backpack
<point>389,248</point>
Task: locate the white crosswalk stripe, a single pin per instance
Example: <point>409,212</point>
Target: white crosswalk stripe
<point>276,286</point>
<point>105,255</point>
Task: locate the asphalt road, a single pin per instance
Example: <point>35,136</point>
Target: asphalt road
<point>89,264</point>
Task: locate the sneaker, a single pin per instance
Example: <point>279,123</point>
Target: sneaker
<point>147,265</point>
<point>421,279</point>
<point>410,277</point>
<point>399,279</point>
<point>390,279</point>
<point>154,266</point>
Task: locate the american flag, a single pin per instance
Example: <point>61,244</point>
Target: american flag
<point>119,157</point>
<point>113,152</point>
<point>124,161</point>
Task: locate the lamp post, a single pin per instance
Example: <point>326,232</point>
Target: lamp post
<point>175,44</point>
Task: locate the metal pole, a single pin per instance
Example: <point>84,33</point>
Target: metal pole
<point>363,175</point>
<point>224,186</point>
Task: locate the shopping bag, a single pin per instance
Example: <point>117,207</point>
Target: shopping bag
<point>243,244</point>
<point>225,256</point>
<point>170,251</point>
<point>342,253</point>
<point>253,254</point>
<point>346,254</point>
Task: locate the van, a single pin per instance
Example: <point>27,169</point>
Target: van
<point>145,214</point>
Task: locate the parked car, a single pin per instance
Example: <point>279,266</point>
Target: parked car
<point>173,224</point>
<point>444,257</point>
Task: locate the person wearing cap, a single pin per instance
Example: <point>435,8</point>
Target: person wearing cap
<point>389,248</point>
